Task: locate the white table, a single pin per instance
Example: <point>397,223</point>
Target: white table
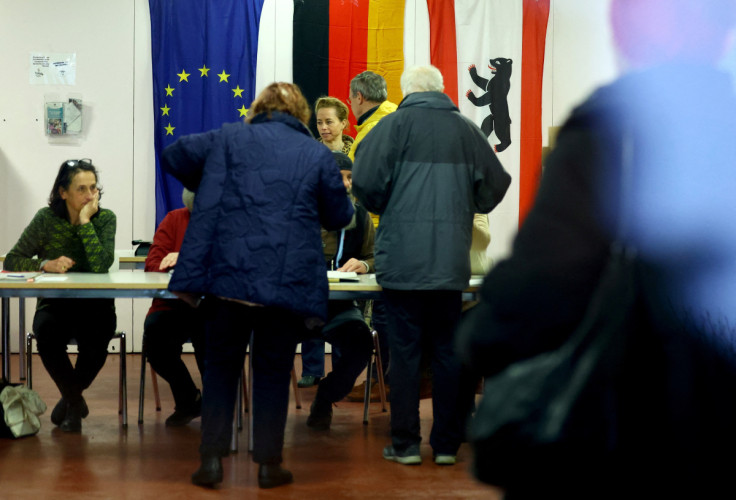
<point>119,284</point>
<point>140,284</point>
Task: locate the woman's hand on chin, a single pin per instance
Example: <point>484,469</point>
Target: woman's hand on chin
<point>89,209</point>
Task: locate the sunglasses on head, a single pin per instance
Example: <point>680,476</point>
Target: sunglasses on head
<point>74,163</point>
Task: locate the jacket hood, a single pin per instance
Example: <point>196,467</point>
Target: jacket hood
<point>436,100</point>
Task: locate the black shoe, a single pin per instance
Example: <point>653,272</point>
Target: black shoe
<point>182,416</point>
<point>270,476</point>
<point>73,419</point>
<point>59,412</point>
<point>320,415</point>
<point>209,472</point>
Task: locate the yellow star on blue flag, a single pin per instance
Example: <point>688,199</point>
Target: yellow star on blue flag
<point>197,35</point>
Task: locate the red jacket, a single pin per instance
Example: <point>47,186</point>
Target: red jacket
<point>168,239</point>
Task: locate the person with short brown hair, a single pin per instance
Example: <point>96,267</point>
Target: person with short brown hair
<point>252,257</point>
<point>283,97</point>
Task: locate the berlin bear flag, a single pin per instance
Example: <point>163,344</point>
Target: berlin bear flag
<point>491,55</point>
<point>204,67</point>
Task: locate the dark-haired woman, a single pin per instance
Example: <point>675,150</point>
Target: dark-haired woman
<point>72,234</point>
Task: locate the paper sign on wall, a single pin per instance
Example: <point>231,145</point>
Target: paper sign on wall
<point>53,69</point>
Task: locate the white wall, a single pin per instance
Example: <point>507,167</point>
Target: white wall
<point>579,57</point>
<point>111,39</point>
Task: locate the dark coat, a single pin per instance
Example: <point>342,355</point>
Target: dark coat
<point>263,191</point>
<point>426,169</point>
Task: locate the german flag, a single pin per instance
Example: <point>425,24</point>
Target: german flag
<point>334,41</point>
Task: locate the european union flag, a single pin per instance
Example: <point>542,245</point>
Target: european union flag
<point>204,72</point>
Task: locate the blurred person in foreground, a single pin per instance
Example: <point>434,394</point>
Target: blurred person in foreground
<point>72,234</point>
<point>426,170</point>
<point>677,113</point>
<point>252,256</point>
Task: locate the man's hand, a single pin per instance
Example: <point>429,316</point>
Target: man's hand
<point>60,265</point>
<point>89,209</point>
<point>354,266</point>
<point>169,261</point>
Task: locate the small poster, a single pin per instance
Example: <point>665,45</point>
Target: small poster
<point>54,118</point>
<point>64,118</point>
<point>53,69</point>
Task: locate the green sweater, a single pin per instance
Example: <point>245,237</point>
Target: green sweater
<point>91,246</point>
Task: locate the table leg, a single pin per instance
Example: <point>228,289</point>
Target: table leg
<point>6,338</point>
<point>22,337</point>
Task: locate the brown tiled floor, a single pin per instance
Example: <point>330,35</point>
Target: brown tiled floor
<point>154,462</point>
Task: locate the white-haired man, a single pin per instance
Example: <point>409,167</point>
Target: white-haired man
<point>426,170</point>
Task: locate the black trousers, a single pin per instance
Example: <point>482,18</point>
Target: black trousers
<point>354,343</point>
<point>91,323</point>
<point>228,328</point>
<point>426,320</point>
<point>164,333</point>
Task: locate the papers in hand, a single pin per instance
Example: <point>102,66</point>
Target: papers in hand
<point>337,276</point>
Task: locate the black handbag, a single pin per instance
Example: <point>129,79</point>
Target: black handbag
<point>556,413</point>
<point>562,406</point>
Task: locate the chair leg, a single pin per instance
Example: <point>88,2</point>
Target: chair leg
<point>154,384</point>
<point>239,400</point>
<point>368,387</point>
<point>379,369</point>
<point>123,379</point>
<point>29,356</point>
<point>237,418</point>
<point>21,341</point>
<point>375,358</point>
<point>294,385</point>
<point>246,401</point>
<point>249,421</point>
<point>142,391</point>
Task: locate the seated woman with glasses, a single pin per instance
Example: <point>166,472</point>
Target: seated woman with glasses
<point>72,234</point>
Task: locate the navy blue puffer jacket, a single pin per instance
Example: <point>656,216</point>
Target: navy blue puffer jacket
<point>263,190</point>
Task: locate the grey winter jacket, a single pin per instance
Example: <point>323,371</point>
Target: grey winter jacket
<point>426,169</point>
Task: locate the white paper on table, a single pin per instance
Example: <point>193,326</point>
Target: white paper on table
<point>52,278</point>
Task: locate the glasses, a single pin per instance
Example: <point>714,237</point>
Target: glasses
<point>74,163</point>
